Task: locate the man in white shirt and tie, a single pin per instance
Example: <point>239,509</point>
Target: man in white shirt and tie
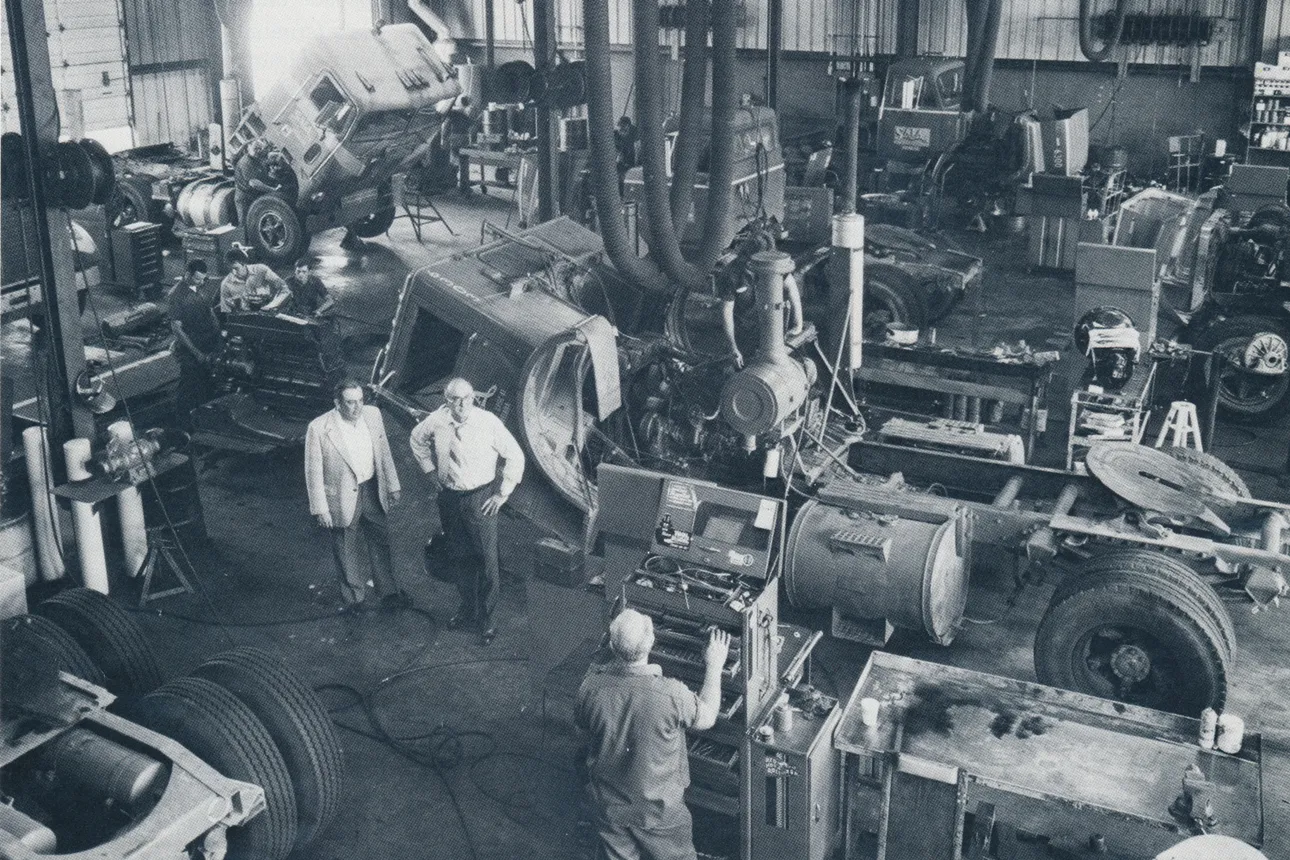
<point>459,445</point>
<point>352,484</point>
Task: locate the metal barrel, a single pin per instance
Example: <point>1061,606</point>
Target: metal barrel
<point>912,572</point>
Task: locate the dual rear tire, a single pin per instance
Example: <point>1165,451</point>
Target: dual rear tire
<point>243,712</point>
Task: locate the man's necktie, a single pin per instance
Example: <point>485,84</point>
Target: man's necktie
<point>455,459</point>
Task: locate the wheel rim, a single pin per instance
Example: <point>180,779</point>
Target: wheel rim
<point>126,212</point>
<point>273,231</point>
<point>1254,377</point>
<point>1125,663</point>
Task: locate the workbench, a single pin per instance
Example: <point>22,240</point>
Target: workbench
<point>505,159</point>
<point>979,384</point>
<point>1020,770</point>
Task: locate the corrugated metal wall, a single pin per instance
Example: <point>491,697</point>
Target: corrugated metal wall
<point>1031,29</point>
<point>170,44</point>
<point>1049,30</point>
<point>86,57</point>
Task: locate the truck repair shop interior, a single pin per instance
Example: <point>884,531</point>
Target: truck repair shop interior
<point>960,410</point>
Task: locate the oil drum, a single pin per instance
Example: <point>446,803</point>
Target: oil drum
<point>876,563</point>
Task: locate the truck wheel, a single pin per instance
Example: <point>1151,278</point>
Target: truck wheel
<point>273,228</point>
<point>126,205</point>
<point>105,631</point>
<point>298,724</point>
<point>891,296</point>
<point>1131,627</point>
<point>1274,214</point>
<point>940,300</point>
<point>1217,473</point>
<point>48,637</point>
<point>1254,385</point>
<point>223,732</point>
<point>376,224</point>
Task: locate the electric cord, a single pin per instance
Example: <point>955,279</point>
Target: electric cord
<point>442,749</point>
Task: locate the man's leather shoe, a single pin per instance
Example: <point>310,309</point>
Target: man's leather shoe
<point>459,620</point>
<point>487,637</point>
<point>353,610</point>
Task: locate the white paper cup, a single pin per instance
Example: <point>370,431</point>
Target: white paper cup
<point>1231,733</point>
<point>869,711</point>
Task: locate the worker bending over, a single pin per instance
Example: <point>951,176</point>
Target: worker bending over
<point>250,286</point>
<point>635,722</point>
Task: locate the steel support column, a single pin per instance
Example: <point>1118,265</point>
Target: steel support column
<point>63,346</point>
<point>907,12</point>
<point>774,44</point>
<point>548,119</point>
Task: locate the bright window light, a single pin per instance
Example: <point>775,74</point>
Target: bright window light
<point>280,27</point>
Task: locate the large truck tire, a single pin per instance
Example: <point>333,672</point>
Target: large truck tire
<point>1244,395</point>
<point>376,224</point>
<point>1139,627</point>
<point>1219,475</point>
<point>218,728</point>
<point>273,228</point>
<point>891,296</point>
<point>48,638</point>
<point>298,723</point>
<point>1274,214</point>
<point>113,640</point>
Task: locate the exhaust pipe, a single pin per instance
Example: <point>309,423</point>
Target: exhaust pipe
<point>851,177</point>
<point>694,84</point>
<point>719,223</point>
<point>603,156</point>
<point>663,242</point>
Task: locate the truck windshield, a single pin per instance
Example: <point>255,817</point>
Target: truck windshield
<point>907,92</point>
<point>390,124</point>
<point>950,84</point>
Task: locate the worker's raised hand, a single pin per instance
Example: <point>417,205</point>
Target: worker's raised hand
<point>324,520</point>
<point>718,648</point>
<point>738,358</point>
<point>492,504</point>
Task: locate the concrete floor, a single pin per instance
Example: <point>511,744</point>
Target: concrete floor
<point>505,786</point>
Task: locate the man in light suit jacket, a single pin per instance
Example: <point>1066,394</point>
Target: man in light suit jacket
<point>352,485</point>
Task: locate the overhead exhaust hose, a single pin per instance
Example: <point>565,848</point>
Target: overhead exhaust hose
<point>663,243</point>
<point>984,18</point>
<point>604,155</point>
<point>694,85</point>
<point>1086,30</point>
<point>989,45</point>
<point>718,227</point>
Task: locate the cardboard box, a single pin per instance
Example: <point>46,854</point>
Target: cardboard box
<point>1065,136</point>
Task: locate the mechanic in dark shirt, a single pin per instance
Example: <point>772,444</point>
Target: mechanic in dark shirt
<point>197,339</point>
<point>309,297</point>
<point>252,178</point>
<point>635,722</point>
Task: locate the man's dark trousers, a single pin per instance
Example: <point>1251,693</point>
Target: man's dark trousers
<point>369,517</point>
<point>195,388</point>
<point>472,545</point>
